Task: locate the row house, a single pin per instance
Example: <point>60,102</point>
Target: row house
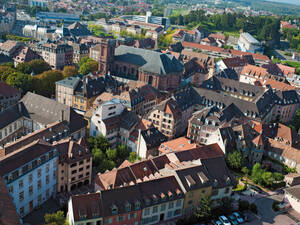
<point>217,52</point>
<point>80,93</point>
<point>139,99</point>
<point>199,172</point>
<point>80,50</point>
<point>25,54</point>
<point>74,165</point>
<point>236,63</point>
<point>10,48</point>
<point>8,96</point>
<point>111,120</point>
<point>34,112</point>
<point>30,174</point>
<point>57,55</point>
<point>171,115</point>
<point>145,203</point>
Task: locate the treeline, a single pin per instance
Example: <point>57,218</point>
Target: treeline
<point>263,27</point>
<point>293,37</point>
<point>35,75</point>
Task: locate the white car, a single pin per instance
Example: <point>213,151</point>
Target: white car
<point>224,220</point>
<point>238,217</point>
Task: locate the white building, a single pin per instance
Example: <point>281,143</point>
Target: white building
<point>40,3</point>
<point>103,119</point>
<point>247,43</point>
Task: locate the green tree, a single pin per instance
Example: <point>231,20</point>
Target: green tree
<point>44,84</point>
<point>245,170</point>
<point>24,68</point>
<point>204,210</point>
<point>57,218</point>
<point>235,159</point>
<point>243,205</point>
<point>278,177</point>
<point>267,178</point>
<point>123,152</point>
<point>107,165</point>
<point>133,157</point>
<point>88,66</point>
<point>5,71</point>
<point>256,173</point>
<point>69,71</point>
<point>39,66</point>
<point>97,29</point>
<point>111,153</point>
<point>22,82</point>
<point>98,156</point>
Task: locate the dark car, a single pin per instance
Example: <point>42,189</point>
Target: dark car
<point>245,216</point>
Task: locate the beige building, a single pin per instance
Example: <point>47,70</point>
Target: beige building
<point>75,165</point>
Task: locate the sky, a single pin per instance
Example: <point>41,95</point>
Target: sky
<point>296,2</point>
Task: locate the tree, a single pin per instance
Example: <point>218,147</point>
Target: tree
<point>107,165</point>
<point>5,71</point>
<point>278,176</point>
<point>97,29</point>
<point>245,170</point>
<point>69,71</point>
<point>98,156</point>
<point>204,210</point>
<point>39,66</point>
<point>256,173</point>
<point>87,65</point>
<point>44,83</point>
<point>111,153</point>
<point>267,178</point>
<point>123,152</point>
<point>21,81</point>
<point>133,157</point>
<point>295,123</point>
<point>24,68</point>
<point>57,218</point>
<point>235,159</point>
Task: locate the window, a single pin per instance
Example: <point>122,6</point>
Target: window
<point>137,205</point>
<point>22,210</point>
<point>87,167</point>
<point>107,221</point>
<point>163,207</point>
<point>47,179</point>
<point>21,196</point>
<point>39,184</point>
<point>30,190</point>
<point>11,189</point>
<point>39,199</point>
<point>190,202</point>
<point>120,218</point>
<point>155,209</point>
<point>114,210</point>
<point>74,164</point>
<point>171,205</point>
<point>47,168</point>
<point>54,174</point>
<point>39,173</point>
<point>30,178</point>
<point>74,171</point>
<point>21,184</point>
<point>132,216</point>
<point>47,193</point>
<point>80,169</point>
<point>178,203</point>
<point>177,212</point>
<point>147,212</point>
<point>170,214</point>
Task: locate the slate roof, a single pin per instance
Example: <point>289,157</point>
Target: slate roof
<point>70,82</point>
<point>129,120</point>
<point>45,111</point>
<point>229,74</point>
<point>153,137</point>
<point>294,191</point>
<point>149,61</point>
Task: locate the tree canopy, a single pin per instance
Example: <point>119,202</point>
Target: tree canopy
<point>57,218</point>
<point>235,160</point>
<point>87,65</point>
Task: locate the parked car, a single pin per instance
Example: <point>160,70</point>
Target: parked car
<point>232,219</point>
<point>238,217</point>
<point>224,220</point>
<point>216,222</point>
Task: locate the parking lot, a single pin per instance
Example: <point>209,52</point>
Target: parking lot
<point>277,220</point>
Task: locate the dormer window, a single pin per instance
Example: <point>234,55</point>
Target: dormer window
<point>147,201</point>
<point>137,205</point>
<point>128,207</point>
<point>114,210</point>
<point>215,184</point>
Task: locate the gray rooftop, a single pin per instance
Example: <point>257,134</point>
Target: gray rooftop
<point>149,61</point>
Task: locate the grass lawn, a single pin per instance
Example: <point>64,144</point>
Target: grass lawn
<point>292,64</point>
<point>177,12</point>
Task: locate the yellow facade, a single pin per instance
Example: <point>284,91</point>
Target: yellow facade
<point>192,199</point>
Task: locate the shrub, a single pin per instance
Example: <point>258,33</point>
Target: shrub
<point>275,206</point>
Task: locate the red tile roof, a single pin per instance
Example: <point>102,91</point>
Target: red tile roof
<point>8,91</point>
